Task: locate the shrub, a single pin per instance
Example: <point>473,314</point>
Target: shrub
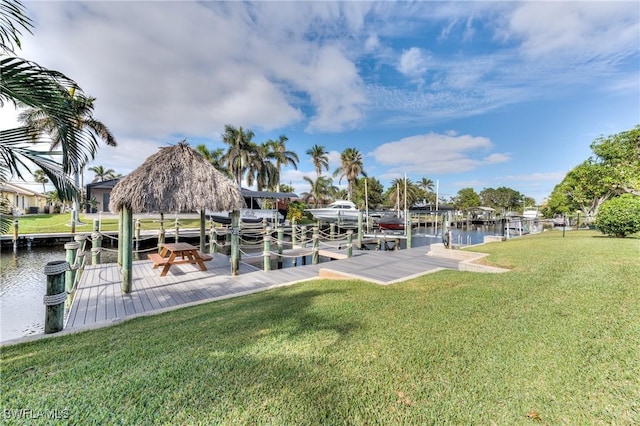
<point>619,216</point>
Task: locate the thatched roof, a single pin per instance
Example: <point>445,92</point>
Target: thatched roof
<point>176,179</point>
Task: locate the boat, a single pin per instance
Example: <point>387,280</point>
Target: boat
<point>338,211</point>
<point>253,211</point>
<point>391,223</point>
<point>530,213</point>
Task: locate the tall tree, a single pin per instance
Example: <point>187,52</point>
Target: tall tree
<point>320,158</point>
<point>426,184</point>
<point>102,174</point>
<point>260,169</point>
<point>41,177</point>
<point>584,188</point>
<point>25,83</point>
<point>281,155</point>
<point>321,190</point>
<point>350,168</point>
<point>81,109</point>
<point>241,148</point>
<point>501,198</point>
<point>83,123</point>
<point>375,192</point>
<point>620,155</point>
<point>396,193</point>
<point>466,198</point>
<point>214,156</point>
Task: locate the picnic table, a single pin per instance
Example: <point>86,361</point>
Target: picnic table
<point>178,253</point>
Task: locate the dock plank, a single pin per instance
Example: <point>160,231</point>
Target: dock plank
<point>99,297</point>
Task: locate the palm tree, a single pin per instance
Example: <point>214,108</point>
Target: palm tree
<point>25,83</point>
<point>240,149</point>
<point>396,193</point>
<point>41,177</point>
<point>102,174</point>
<point>82,123</point>
<point>282,156</point>
<point>350,168</point>
<point>426,184</point>
<point>321,189</point>
<point>319,157</point>
<point>214,156</point>
<point>260,169</point>
<point>81,108</point>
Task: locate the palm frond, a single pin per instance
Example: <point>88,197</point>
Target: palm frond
<point>17,155</point>
<point>12,19</point>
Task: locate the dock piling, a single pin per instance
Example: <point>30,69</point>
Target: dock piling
<point>55,295</point>
<point>266,239</point>
<point>316,245</point>
<point>15,235</point>
<point>70,274</point>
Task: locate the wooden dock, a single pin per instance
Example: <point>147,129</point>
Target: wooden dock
<point>99,301</point>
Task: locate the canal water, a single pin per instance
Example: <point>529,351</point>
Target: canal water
<point>23,283</point>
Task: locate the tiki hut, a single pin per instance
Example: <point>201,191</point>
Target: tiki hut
<point>176,179</point>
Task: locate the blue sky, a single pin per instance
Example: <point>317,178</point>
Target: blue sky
<point>471,94</point>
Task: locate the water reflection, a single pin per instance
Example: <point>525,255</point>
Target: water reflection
<point>22,287</point>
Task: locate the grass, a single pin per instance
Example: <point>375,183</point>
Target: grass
<point>56,223</point>
<point>554,341</point>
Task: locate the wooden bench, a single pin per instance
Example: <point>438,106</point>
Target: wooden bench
<point>161,261</point>
<point>157,259</point>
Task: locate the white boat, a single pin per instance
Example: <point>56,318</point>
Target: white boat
<point>338,211</point>
<point>253,212</point>
<point>530,213</point>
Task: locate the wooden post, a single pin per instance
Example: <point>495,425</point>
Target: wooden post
<point>70,274</point>
<point>95,255</point>
<point>80,259</point>
<point>127,249</point>
<point>137,237</point>
<point>161,233</point>
<point>303,236</point>
<point>316,246</point>
<point>409,230</point>
<point>359,230</point>
<point>267,248</point>
<point>120,244</point>
<point>15,235</point>
<point>235,243</point>
<point>177,226</point>
<point>213,239</point>
<point>203,235</point>
<point>280,243</point>
<point>332,231</point>
<point>349,243</point>
<point>96,242</point>
<point>55,296</point>
<point>293,232</point>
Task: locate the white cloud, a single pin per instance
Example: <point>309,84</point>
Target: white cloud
<point>581,30</point>
<point>162,68</point>
<point>437,154</point>
<point>538,176</point>
<point>372,43</point>
<point>413,62</point>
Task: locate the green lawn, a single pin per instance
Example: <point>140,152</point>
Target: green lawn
<point>554,341</point>
<point>54,223</point>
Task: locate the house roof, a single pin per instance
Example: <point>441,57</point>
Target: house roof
<point>17,189</point>
<point>105,184</point>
